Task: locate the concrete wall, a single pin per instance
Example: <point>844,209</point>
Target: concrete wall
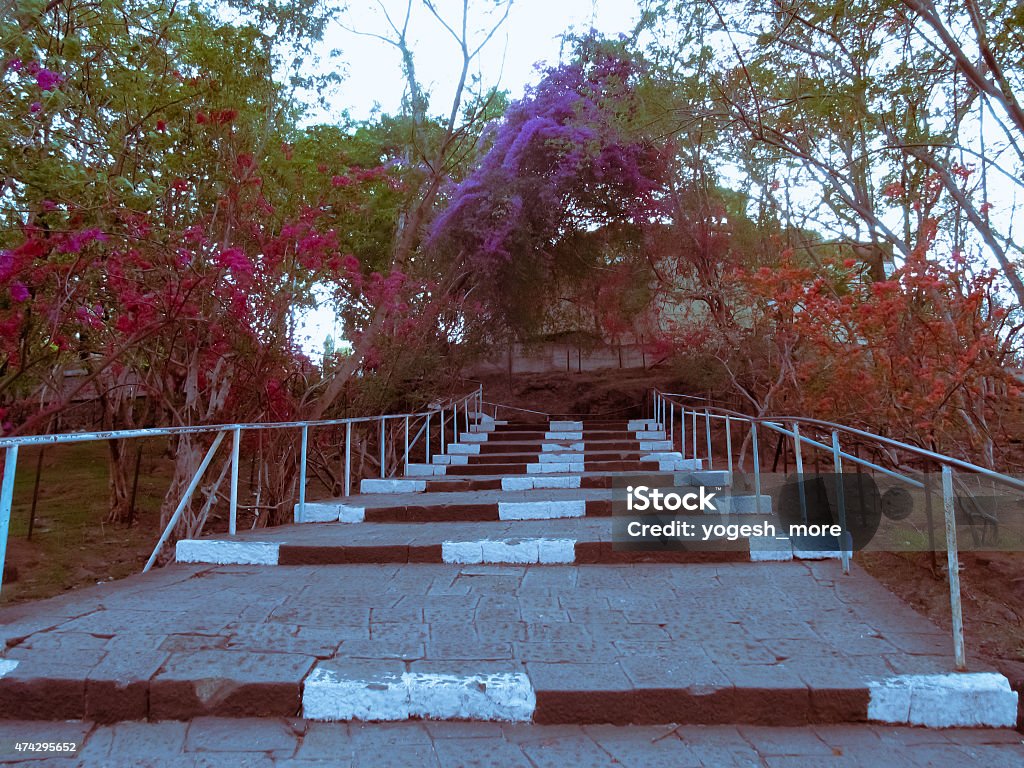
<point>554,357</point>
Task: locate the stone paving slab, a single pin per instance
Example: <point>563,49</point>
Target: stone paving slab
<point>753,642</point>
<point>296,743</point>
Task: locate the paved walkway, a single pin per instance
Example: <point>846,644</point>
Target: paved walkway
<point>288,742</point>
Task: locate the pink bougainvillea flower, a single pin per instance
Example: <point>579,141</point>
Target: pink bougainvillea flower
<point>47,79</point>
<point>78,240</point>
<point>13,64</point>
<point>34,107</point>
<point>236,261</point>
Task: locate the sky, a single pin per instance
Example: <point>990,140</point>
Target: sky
<point>531,34</point>
<point>373,75</point>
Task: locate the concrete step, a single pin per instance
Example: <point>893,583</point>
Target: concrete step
<point>644,643</point>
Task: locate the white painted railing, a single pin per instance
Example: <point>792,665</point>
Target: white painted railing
<point>448,414</point>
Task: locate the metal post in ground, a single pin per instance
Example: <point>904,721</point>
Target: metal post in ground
<point>707,435</point>
<point>302,474</point>
<point>800,471</point>
<point>953,563</point>
<point>837,463</point>
<point>426,451</point>
<point>348,458</point>
<point>383,457</point>
<point>6,501</point>
<point>405,460</point>
<point>694,415</point>
<point>236,439</point>
<point>728,444</point>
<point>757,466</point>
<point>682,431</point>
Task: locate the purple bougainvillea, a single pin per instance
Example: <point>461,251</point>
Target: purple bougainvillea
<point>47,79</point>
<point>561,152</point>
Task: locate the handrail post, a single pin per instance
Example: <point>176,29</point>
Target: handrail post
<point>405,461</point>
<point>682,431</point>
<point>6,502</point>
<point>348,458</point>
<point>185,498</point>
<point>383,456</point>
<point>707,434</point>
<point>757,466</point>
<point>443,446</point>
<point>728,445</point>
<point>800,471</point>
<point>672,423</point>
<point>426,452</point>
<point>302,474</point>
<point>953,562</point>
<point>693,415</point>
<point>837,463</point>
<point>236,439</point>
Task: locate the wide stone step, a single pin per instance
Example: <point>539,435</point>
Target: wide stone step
<point>593,644</point>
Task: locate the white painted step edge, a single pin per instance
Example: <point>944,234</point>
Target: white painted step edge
<point>954,700</point>
<point>220,552</point>
<point>530,483</point>
<point>541,510</point>
<point>499,696</point>
<point>509,551</point>
<point>373,485</point>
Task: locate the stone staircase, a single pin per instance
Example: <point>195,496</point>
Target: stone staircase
<point>487,585</point>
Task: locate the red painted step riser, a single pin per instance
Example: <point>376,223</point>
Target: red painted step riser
<point>482,458</point>
<point>436,513</point>
<point>452,485</point>
<point>587,553</point>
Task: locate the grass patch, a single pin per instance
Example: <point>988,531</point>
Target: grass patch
<point>71,545</point>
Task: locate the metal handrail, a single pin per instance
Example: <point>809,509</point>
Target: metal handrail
<point>830,426</point>
<point>664,407</point>
<point>10,445</point>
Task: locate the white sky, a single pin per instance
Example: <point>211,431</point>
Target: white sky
<point>373,73</point>
<point>530,34</point>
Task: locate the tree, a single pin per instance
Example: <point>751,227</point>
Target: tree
<point>567,178</point>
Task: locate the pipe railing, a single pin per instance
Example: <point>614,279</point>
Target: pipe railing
<point>452,410</point>
<point>666,408</point>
